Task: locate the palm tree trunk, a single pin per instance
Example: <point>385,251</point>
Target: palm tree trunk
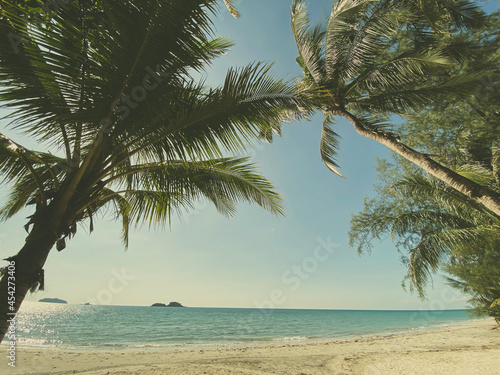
<point>486,197</point>
<point>28,269</point>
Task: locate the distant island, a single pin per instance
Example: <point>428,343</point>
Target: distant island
<point>171,304</point>
<point>52,300</point>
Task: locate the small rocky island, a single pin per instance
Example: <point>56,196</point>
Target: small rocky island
<point>158,305</point>
<point>52,300</point>
<point>171,304</point>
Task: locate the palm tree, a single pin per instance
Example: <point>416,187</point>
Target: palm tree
<point>108,88</point>
<point>357,66</point>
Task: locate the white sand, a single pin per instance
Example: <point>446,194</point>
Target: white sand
<point>470,348</point>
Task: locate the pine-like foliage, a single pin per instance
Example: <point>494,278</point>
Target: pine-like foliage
<point>434,228</point>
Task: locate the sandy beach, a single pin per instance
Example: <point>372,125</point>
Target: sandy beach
<point>469,348</point>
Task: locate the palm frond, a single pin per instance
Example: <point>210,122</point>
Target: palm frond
<point>152,192</point>
<point>29,81</point>
<point>310,43</point>
<point>442,14</point>
<point>11,165</point>
<point>340,33</point>
<point>376,30</point>
<point>407,98</point>
<point>25,191</point>
<point>249,102</point>
<point>232,8</point>
<point>405,69</point>
<point>123,210</point>
<point>223,181</point>
<point>17,162</point>
<point>329,144</point>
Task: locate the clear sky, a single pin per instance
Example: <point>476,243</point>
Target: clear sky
<point>252,259</point>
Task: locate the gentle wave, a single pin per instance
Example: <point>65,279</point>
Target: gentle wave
<point>123,327</point>
<point>295,338</point>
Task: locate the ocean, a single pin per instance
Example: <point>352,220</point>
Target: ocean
<point>121,327</point>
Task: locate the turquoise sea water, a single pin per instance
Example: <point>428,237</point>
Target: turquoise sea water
<point>105,327</point>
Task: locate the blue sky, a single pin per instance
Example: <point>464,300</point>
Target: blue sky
<point>252,259</point>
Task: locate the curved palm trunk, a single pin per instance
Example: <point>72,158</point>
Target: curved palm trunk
<point>27,270</point>
<point>487,197</point>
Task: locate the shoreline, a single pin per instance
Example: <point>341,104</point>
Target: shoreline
<point>469,348</point>
<point>249,343</point>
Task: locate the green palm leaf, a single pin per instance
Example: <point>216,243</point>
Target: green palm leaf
<point>152,192</point>
<point>329,144</point>
<point>309,42</point>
